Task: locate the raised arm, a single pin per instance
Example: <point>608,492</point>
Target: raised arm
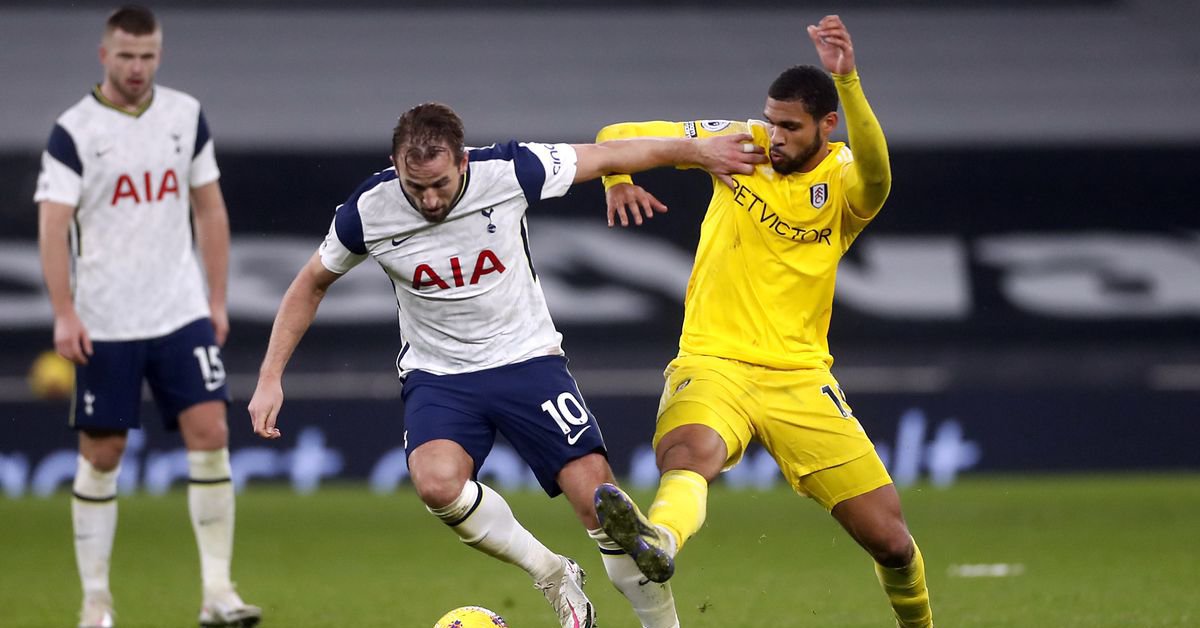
<point>212,240</point>
<point>296,314</point>
<point>870,179</point>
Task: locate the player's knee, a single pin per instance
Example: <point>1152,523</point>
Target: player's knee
<point>102,450</point>
<point>893,551</point>
<point>105,459</point>
<point>204,426</point>
<point>437,490</point>
<point>703,456</point>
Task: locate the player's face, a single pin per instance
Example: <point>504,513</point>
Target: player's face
<point>130,62</point>
<point>432,185</point>
<point>797,139</point>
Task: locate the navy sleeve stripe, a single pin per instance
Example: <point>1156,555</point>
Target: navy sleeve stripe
<point>62,147</point>
<point>201,135</point>
<point>348,223</point>
<point>531,174</point>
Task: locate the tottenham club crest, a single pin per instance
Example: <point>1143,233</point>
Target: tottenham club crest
<point>818,194</point>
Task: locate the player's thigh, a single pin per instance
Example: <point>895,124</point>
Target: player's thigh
<point>837,484</point>
<point>537,406</point>
<point>108,389</point>
<point>184,368</point>
<point>445,408</point>
<point>807,425</point>
<point>204,427</point>
<point>709,392</point>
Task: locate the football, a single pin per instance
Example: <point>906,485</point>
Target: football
<point>471,617</point>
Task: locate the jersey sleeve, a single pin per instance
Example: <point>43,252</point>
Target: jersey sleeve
<point>659,128</point>
<point>557,163</point>
<point>868,178</point>
<point>343,247</point>
<point>204,160</point>
<point>61,176</point>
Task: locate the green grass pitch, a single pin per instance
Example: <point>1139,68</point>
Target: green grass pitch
<point>1082,551</point>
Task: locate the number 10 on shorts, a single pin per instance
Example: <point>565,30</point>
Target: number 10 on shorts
<point>567,411</point>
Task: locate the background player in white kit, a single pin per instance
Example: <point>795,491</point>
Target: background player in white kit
<point>479,353</point>
<point>113,205</point>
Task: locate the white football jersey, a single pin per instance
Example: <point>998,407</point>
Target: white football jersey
<point>468,293</point>
<point>129,176</point>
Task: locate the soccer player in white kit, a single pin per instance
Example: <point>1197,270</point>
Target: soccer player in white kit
<point>479,353</point>
<point>113,207</point>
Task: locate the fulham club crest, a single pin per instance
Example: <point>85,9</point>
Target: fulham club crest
<point>818,194</point>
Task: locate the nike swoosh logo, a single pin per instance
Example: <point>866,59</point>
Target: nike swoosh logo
<point>574,438</point>
<point>396,242</point>
<point>101,153</point>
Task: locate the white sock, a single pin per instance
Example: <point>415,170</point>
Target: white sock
<point>94,516</point>
<point>482,519</point>
<point>652,602</point>
<point>210,504</point>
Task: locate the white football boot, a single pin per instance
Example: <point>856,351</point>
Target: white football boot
<point>225,609</point>
<point>97,612</point>
<point>564,591</point>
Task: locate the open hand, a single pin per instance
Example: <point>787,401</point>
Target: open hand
<point>833,44</point>
<point>624,199</point>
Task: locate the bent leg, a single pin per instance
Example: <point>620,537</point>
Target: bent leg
<point>653,603</point>
<point>689,458</point>
<point>875,521</point>
<point>441,471</point>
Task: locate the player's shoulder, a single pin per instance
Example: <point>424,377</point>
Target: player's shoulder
<point>173,95</point>
<point>79,113</point>
<point>516,160</point>
<point>371,194</point>
<point>840,154</point>
<point>175,101</point>
<point>507,154</point>
<point>703,128</point>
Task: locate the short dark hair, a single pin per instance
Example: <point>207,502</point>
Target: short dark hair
<point>133,19</point>
<point>808,84</point>
<point>427,130</point>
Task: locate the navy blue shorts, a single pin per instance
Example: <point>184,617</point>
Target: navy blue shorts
<point>183,369</point>
<point>535,404</point>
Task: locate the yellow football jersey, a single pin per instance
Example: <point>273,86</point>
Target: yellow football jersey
<point>761,290</point>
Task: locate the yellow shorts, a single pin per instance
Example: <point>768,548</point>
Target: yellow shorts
<point>799,416</point>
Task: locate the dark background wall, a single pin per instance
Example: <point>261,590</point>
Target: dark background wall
<point>1028,300</point>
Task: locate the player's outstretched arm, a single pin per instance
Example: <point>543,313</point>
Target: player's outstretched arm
<point>71,339</point>
<point>721,155</point>
<point>212,239</point>
<point>296,314</point>
<point>871,179</point>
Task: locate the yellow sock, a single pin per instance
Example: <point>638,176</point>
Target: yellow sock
<point>681,504</point>
<point>905,588</point>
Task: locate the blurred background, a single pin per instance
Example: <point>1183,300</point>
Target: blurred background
<point>1028,301</point>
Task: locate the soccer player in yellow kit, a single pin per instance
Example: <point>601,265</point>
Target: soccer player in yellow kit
<point>754,360</point>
